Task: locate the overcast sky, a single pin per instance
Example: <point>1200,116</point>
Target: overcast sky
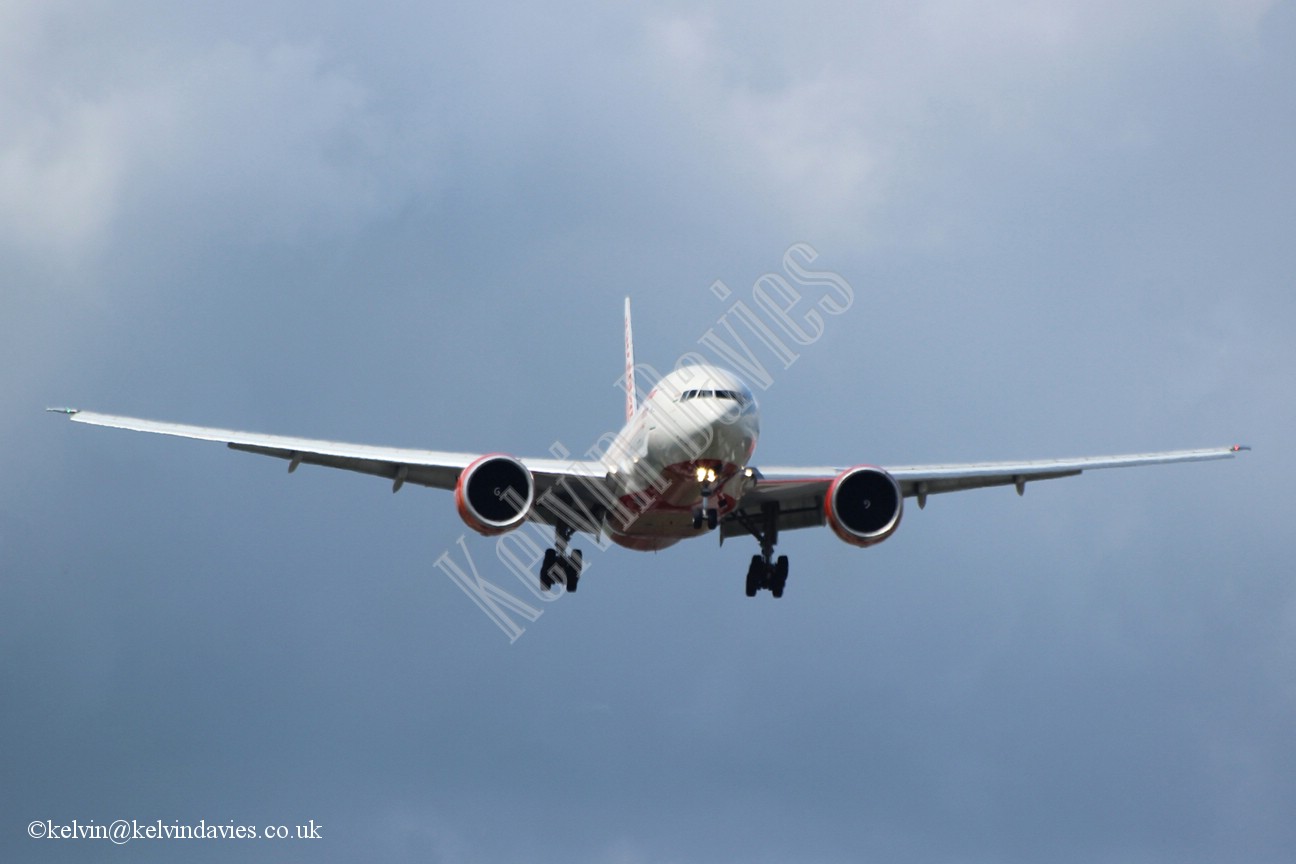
<point>1068,227</point>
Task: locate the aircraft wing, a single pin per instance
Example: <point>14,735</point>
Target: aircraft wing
<point>434,468</point>
<point>800,492</point>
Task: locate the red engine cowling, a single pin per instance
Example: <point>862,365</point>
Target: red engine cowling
<point>863,505</point>
<point>494,494</point>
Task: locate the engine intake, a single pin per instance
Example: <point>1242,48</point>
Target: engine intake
<point>494,494</point>
<point>864,505</point>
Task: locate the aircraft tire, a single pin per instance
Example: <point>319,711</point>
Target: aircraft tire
<point>754,571</point>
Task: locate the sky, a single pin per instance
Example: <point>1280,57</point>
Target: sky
<point>1067,228</point>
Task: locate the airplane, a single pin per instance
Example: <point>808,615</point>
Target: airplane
<point>679,468</point>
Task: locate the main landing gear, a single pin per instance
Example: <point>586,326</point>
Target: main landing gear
<point>766,571</point>
<point>559,567</point>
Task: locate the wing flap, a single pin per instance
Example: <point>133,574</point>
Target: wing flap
<point>433,476</point>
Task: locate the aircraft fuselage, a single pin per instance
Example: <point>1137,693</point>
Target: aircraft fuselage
<point>689,440</point>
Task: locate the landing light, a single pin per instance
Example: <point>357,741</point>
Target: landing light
<point>705,475</point>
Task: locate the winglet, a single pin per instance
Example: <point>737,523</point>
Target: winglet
<point>632,400</point>
<point>67,411</point>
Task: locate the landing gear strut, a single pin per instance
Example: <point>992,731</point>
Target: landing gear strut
<point>706,513</point>
<point>765,571</point>
<point>559,567</point>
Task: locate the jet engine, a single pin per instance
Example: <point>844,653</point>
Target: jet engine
<point>863,505</point>
<point>494,494</point>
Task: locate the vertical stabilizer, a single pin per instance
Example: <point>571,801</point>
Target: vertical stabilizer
<point>632,400</point>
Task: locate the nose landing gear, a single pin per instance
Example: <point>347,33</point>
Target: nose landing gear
<point>705,512</point>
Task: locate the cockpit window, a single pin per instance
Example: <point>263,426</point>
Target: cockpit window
<point>734,395</point>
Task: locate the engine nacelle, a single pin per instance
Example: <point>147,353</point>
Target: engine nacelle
<point>863,505</point>
<point>494,494</point>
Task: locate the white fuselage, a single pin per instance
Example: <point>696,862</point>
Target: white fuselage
<point>690,439</point>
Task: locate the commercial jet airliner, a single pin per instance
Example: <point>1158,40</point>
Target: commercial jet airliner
<point>679,468</point>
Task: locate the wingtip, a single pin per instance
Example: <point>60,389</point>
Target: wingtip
<point>67,411</point>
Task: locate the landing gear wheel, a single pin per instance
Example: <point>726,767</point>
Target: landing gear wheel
<point>708,515</point>
<point>778,578</point>
<point>547,569</point>
<point>754,572</point>
<point>574,565</point>
<point>561,567</point>
<point>562,570</point>
<point>765,570</point>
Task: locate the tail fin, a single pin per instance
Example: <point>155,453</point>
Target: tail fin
<point>632,400</point>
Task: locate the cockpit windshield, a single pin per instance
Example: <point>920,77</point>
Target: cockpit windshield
<point>733,395</point>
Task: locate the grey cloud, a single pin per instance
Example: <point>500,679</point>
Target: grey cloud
<point>1065,228</point>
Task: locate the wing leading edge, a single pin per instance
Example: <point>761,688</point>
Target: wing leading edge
<point>799,492</point>
<point>433,468</point>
